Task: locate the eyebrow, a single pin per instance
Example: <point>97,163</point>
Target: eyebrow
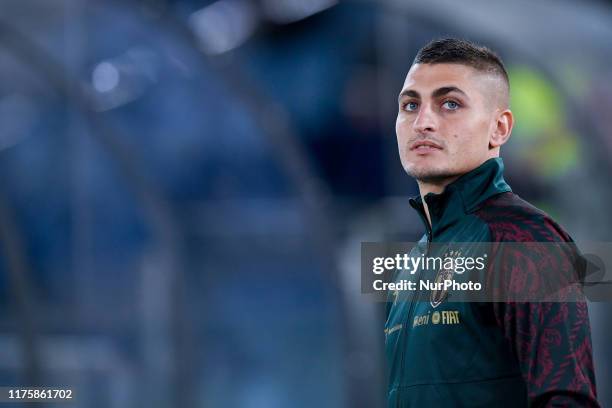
<point>435,94</point>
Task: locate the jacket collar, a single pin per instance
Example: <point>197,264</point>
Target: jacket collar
<point>463,196</point>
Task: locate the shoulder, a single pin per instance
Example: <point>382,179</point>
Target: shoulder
<point>512,219</point>
<point>534,257</point>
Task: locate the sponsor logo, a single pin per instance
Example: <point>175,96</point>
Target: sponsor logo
<point>442,317</point>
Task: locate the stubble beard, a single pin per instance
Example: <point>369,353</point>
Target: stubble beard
<point>430,175</point>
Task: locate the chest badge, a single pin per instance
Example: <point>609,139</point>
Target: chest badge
<point>439,295</point>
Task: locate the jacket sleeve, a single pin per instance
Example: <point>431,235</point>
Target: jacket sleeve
<point>550,339</point>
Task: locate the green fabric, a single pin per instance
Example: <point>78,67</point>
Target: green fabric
<point>453,354</point>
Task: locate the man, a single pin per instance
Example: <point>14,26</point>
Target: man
<point>453,118</point>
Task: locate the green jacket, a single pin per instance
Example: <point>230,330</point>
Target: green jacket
<point>478,354</point>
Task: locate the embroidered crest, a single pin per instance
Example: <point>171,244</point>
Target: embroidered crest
<point>439,295</point>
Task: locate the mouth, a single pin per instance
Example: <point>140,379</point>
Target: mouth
<point>425,146</point>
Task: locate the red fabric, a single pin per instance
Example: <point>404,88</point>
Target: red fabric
<point>551,340</point>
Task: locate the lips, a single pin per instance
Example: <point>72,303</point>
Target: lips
<point>424,145</point>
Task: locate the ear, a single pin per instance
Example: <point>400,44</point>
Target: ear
<point>502,129</point>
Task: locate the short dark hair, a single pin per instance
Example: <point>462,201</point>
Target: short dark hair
<point>457,51</point>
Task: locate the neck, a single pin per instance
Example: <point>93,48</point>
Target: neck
<point>426,187</point>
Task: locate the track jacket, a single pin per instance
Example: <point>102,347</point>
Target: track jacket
<point>486,354</point>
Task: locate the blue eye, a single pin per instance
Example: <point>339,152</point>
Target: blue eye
<point>411,106</point>
<point>452,105</point>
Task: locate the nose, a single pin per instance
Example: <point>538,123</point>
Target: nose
<point>424,121</point>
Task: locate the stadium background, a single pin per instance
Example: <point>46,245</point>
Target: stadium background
<point>184,185</point>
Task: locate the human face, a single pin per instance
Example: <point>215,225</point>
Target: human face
<point>445,120</point>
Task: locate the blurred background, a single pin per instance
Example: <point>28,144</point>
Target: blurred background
<point>184,185</point>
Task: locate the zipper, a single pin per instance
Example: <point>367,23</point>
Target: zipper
<point>418,296</point>
<point>414,299</point>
